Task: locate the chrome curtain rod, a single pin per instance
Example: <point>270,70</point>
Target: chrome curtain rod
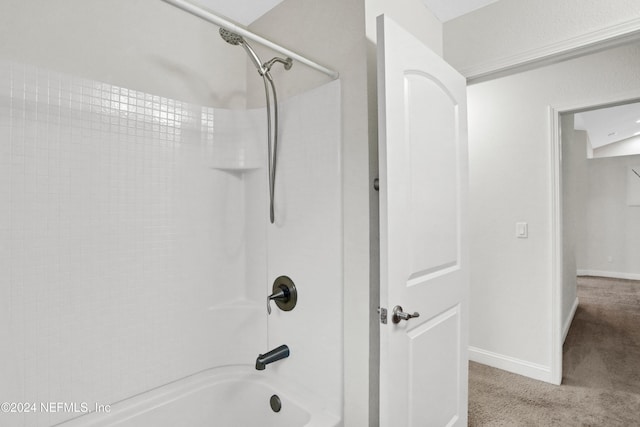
<point>221,22</point>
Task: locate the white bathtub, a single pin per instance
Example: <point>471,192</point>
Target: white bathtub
<point>225,397</point>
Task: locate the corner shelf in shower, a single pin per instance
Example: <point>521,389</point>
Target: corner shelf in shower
<point>231,154</point>
<point>235,164</point>
<point>234,168</point>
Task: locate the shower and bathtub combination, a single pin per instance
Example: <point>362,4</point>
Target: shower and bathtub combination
<point>189,257</point>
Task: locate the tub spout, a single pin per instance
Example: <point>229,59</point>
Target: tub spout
<point>272,356</point>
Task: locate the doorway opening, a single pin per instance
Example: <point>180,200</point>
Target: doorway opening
<point>595,151</point>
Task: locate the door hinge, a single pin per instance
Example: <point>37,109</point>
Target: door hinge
<point>383,315</point>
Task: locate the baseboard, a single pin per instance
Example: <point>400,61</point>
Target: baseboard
<point>610,274</point>
<point>569,319</point>
<point>511,364</point>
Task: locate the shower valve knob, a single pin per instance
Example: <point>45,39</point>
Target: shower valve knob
<point>284,293</point>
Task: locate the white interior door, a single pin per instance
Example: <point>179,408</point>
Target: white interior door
<point>423,233</point>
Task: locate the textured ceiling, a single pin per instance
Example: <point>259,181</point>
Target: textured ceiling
<point>446,10</point>
<point>246,11</point>
<point>241,11</point>
<point>608,125</point>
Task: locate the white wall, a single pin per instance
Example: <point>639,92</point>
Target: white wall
<point>329,33</point>
<point>510,182</point>
<point>613,228</point>
<point>574,203</point>
<point>146,45</point>
<point>511,28</point>
<point>414,16</point>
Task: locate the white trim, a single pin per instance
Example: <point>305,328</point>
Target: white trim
<point>555,251</point>
<point>510,364</point>
<point>221,22</point>
<point>569,320</point>
<point>610,274</point>
<point>587,43</point>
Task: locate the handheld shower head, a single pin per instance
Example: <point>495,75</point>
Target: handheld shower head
<point>263,69</point>
<point>236,39</point>
<point>231,38</point>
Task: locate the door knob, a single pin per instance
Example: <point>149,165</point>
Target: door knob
<point>399,315</point>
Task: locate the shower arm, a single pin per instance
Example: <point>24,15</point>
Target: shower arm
<point>288,62</point>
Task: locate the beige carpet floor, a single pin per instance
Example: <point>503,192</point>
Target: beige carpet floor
<point>601,369</point>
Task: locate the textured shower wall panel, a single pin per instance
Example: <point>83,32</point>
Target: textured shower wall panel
<point>253,138</point>
<point>119,244</point>
<point>306,243</point>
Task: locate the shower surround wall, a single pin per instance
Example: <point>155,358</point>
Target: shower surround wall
<point>126,229</point>
<point>305,242</point>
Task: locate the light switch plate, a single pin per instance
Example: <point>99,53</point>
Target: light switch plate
<point>522,230</point>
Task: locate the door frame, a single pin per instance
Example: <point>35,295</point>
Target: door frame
<point>560,326</point>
